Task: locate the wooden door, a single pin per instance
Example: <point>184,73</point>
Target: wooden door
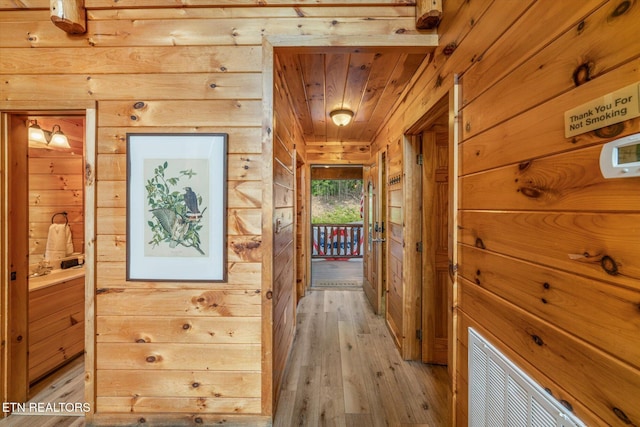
<point>370,256</point>
<point>302,229</point>
<point>18,257</point>
<point>435,258</point>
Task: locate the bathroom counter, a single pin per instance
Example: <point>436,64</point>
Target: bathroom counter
<point>55,277</point>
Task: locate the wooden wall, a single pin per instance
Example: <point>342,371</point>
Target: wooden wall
<point>395,241</point>
<point>186,352</point>
<point>547,248</point>
<point>56,184</point>
<point>287,137</point>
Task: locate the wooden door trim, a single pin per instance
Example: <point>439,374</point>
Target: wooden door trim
<point>413,237</point>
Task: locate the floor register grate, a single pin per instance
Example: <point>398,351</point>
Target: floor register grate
<point>337,284</point>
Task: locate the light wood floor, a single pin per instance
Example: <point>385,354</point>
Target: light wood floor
<point>348,270</point>
<point>65,385</point>
<point>344,370</point>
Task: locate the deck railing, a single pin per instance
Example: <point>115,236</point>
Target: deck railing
<point>337,240</point>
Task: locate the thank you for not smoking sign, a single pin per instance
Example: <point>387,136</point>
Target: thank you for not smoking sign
<point>615,107</point>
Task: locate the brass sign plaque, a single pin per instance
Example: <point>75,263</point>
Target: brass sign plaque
<point>615,107</point>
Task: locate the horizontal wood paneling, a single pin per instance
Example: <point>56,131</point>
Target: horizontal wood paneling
<point>602,382</point>
<point>56,184</point>
<point>603,315</point>
<point>139,86</point>
<point>548,70</point>
<point>522,41</point>
<point>239,141</point>
<point>143,405</point>
<point>242,274</point>
<point>194,32</point>
<point>177,302</point>
<point>135,329</point>
<point>491,148</point>
<point>180,113</point>
<point>575,242</point>
<point>201,357</point>
<point>150,383</point>
<point>128,60</point>
<point>569,181</point>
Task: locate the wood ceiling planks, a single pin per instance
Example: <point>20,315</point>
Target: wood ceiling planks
<point>368,82</point>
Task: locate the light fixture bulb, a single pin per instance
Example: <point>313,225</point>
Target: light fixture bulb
<point>58,139</point>
<point>36,134</point>
<point>341,117</point>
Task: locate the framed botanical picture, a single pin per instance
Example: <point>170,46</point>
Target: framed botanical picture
<point>176,207</point>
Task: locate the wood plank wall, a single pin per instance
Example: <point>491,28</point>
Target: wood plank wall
<point>395,241</point>
<point>56,184</point>
<point>538,224</point>
<point>287,137</point>
<point>187,352</point>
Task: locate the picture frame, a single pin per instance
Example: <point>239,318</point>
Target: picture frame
<point>176,207</point>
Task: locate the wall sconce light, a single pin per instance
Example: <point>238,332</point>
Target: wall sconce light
<point>341,117</point>
<point>40,138</point>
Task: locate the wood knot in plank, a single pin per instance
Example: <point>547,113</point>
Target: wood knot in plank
<point>620,414</point>
<point>531,192</point>
<point>610,131</point>
<point>582,74</point>
<point>449,49</point>
<point>523,166</point>
<point>536,339</point>
<point>609,265</point>
<point>622,8</point>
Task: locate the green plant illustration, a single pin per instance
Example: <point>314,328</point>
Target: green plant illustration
<point>176,216</point>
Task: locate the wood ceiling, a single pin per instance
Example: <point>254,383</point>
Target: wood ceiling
<point>368,82</point>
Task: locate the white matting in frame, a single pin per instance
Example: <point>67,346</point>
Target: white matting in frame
<point>176,207</point>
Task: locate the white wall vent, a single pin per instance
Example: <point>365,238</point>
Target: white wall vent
<point>500,394</point>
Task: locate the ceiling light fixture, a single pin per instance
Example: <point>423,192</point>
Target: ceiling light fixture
<point>341,117</point>
<point>40,138</point>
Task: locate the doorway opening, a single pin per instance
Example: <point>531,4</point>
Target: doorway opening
<point>44,214</point>
<point>430,142</point>
<point>337,226</point>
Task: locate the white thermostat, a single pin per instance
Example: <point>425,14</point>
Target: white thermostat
<point>621,158</point>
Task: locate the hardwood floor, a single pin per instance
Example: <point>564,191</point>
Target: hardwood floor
<point>325,272</point>
<point>64,386</point>
<point>344,370</point>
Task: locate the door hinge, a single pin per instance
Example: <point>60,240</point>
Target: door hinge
<point>420,159</point>
<point>419,247</point>
<point>419,334</point>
